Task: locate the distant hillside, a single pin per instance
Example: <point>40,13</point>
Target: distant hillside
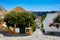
<point>1,8</point>
<point>43,13</point>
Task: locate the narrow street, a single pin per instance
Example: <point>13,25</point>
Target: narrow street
<point>37,35</point>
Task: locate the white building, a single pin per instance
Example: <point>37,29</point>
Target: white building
<point>48,20</point>
<point>38,20</point>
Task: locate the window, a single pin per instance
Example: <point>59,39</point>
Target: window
<point>27,30</point>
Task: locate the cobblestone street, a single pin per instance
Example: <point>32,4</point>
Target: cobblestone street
<point>37,35</point>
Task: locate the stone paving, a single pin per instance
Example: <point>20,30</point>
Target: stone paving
<point>37,35</point>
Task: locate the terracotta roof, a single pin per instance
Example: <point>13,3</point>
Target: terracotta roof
<point>18,9</point>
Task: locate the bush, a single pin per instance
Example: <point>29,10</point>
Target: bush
<point>33,27</point>
<point>1,19</point>
<point>42,30</point>
<point>42,18</point>
<point>42,25</point>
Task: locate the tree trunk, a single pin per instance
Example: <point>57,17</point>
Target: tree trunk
<point>29,24</point>
<point>14,27</point>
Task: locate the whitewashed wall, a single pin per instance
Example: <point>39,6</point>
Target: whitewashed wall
<point>11,28</point>
<point>17,30</point>
<point>48,21</point>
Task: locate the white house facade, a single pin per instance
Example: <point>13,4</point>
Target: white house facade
<point>48,20</point>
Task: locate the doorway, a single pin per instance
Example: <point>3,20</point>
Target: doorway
<point>22,30</point>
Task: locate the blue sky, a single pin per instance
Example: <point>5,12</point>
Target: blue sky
<point>32,5</point>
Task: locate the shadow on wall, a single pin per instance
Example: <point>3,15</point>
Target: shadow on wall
<point>52,34</point>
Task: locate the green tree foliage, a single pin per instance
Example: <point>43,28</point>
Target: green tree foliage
<point>20,19</point>
<point>43,18</point>
<point>0,9</point>
<point>57,19</point>
<point>1,19</point>
<point>42,25</point>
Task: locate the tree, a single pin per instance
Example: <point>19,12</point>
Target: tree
<point>16,19</point>
<point>57,19</point>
